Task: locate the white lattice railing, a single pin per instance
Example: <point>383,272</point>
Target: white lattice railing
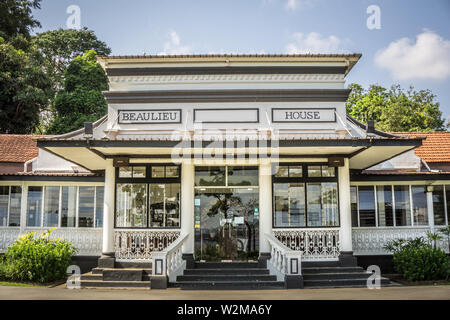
<point>140,244</point>
<point>370,241</point>
<point>88,241</point>
<point>315,244</point>
<point>283,260</point>
<point>169,262</point>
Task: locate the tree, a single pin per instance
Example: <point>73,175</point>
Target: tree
<point>24,88</point>
<point>60,47</point>
<point>395,110</point>
<point>16,18</point>
<point>81,100</point>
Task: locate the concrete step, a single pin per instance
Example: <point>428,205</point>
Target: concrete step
<point>340,283</point>
<point>114,284</point>
<point>339,275</point>
<point>229,285</point>
<point>226,265</point>
<point>227,271</point>
<point>134,265</point>
<point>213,278</point>
<point>91,276</point>
<point>313,270</point>
<point>311,264</point>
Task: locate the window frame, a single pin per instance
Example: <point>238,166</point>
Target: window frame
<point>148,180</point>
<point>305,179</point>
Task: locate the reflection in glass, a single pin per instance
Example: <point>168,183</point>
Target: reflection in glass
<point>125,172</point>
<point>172,172</point>
<point>139,172</point>
<point>86,207</point>
<point>402,206</point>
<point>354,205</point>
<point>68,206</point>
<point>282,171</point>
<point>99,194</point>
<point>210,176</point>
<point>314,204</point>
<point>366,203</point>
<point>15,203</point>
<point>131,205</point>
<point>419,196</point>
<point>164,205</point>
<point>438,205</point>
<point>384,206</point>
<point>328,171</point>
<point>157,171</point>
<point>4,204</point>
<point>242,176</point>
<point>51,206</point>
<point>34,206</point>
<point>289,202</point>
<point>314,171</point>
<point>295,171</point>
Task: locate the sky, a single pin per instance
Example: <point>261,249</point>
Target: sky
<point>402,42</point>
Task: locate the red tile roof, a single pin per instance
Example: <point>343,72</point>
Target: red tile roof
<point>18,147</point>
<point>435,148</point>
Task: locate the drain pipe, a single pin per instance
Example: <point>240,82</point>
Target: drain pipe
<point>25,165</point>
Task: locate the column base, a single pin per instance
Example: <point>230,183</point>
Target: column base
<point>158,282</point>
<point>262,259</point>
<point>293,282</point>
<point>189,258</point>
<point>107,260</point>
<point>347,259</point>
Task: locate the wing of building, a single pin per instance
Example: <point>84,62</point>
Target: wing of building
<point>241,155</point>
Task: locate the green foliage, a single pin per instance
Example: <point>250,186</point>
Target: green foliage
<point>37,258</point>
<point>82,99</point>
<point>210,253</point>
<point>395,110</point>
<point>446,232</point>
<point>417,260</point>
<point>24,88</point>
<point>16,18</point>
<point>433,238</point>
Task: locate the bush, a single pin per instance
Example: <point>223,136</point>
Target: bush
<point>38,258</point>
<point>418,260</point>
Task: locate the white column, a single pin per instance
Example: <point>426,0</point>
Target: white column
<point>265,205</point>
<point>108,210</point>
<point>187,206</point>
<point>430,209</point>
<point>23,208</point>
<point>345,236</point>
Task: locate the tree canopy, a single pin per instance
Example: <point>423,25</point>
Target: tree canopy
<point>16,19</point>
<point>396,109</point>
<point>81,100</point>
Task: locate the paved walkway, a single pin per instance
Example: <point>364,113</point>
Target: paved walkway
<point>388,293</point>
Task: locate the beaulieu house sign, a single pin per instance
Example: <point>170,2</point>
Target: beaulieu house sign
<point>150,116</point>
<point>303,115</point>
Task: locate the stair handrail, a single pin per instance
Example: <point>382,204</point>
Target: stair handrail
<point>283,260</point>
<point>169,261</point>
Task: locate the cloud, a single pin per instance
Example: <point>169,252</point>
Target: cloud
<point>174,46</point>
<point>426,59</point>
<point>314,42</point>
<point>292,5</point>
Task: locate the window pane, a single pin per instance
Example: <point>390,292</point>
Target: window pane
<point>209,176</point>
<point>295,171</point>
<point>419,196</point>
<point>157,216</point>
<point>330,216</point>
<point>366,202</point>
<point>314,204</point>
<point>68,206</point>
<point>438,205</point>
<point>384,205</point>
<point>281,171</point>
<point>125,172</point>
<point>139,172</point>
<point>402,206</point>
<point>289,199</point>
<point>51,206</point>
<point>328,171</point>
<point>15,203</point>
<point>158,172</point>
<point>314,171</point>
<point>86,207</point>
<point>447,196</point>
<point>172,172</point>
<point>4,203</point>
<point>354,206</point>
<point>99,193</point>
<point>172,202</point>
<point>34,206</point>
<point>131,205</point>
<point>242,176</point>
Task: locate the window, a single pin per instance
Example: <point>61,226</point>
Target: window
<point>164,205</point>
<point>131,205</point>
<point>15,205</point>
<point>419,197</point>
<point>385,206</point>
<point>354,205</point>
<point>132,172</point>
<point>366,204</point>
<point>51,207</point>
<point>438,205</point>
<point>210,176</point>
<point>68,206</point>
<point>402,206</point>
<point>4,205</point>
<point>162,171</point>
<point>305,201</point>
<point>242,176</point>
<point>34,206</point>
<point>99,196</point>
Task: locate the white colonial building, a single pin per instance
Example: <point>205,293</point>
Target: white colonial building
<point>230,158</point>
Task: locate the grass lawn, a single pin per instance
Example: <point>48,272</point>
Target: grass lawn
<point>397,278</point>
<point>17,284</point>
